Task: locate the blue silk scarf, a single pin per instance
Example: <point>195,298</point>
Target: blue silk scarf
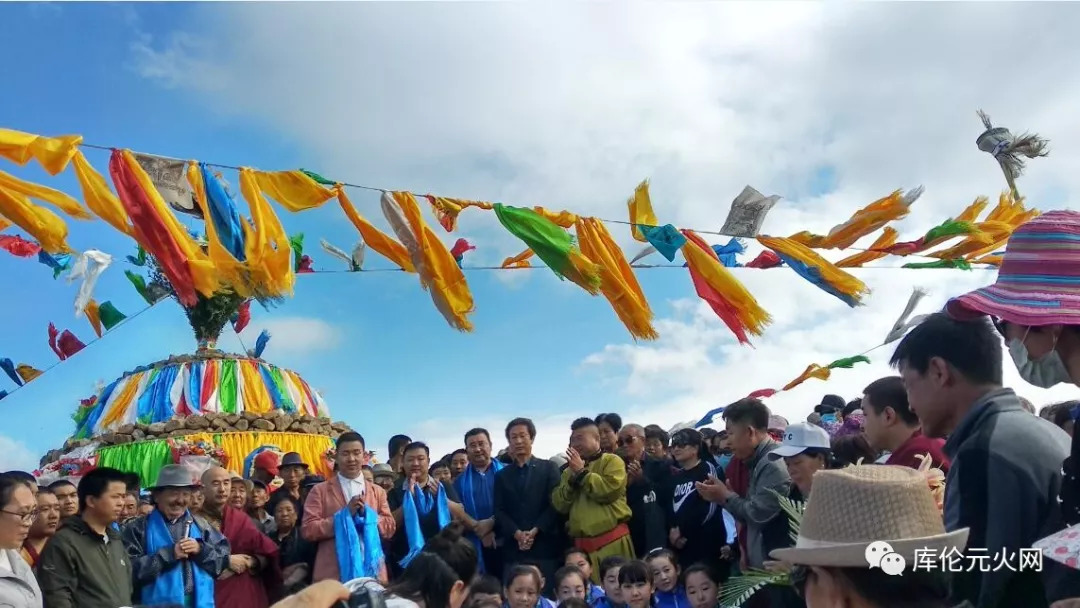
<point>417,503</point>
<point>357,544</point>
<point>168,587</point>
<point>465,489</point>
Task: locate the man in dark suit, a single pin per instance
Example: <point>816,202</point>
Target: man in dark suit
<point>527,525</point>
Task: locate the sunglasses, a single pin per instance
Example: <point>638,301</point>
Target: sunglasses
<point>1000,325</point>
<point>624,441</point>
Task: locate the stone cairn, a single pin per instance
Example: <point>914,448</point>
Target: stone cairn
<point>209,423</point>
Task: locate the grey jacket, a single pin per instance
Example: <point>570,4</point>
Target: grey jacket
<point>1003,483</point>
<point>18,587</point>
<point>759,511</point>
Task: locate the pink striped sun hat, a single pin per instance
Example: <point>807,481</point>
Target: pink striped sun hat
<point>1039,279</point>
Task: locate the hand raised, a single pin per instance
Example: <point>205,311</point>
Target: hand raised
<point>356,504</point>
<point>574,460</point>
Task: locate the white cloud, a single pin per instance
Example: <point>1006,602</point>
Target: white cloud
<point>15,455</point>
<point>697,366</point>
<point>569,105</point>
<point>294,335</point>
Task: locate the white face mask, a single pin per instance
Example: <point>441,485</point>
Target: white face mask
<point>1044,372</point>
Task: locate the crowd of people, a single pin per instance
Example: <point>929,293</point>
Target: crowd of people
<point>629,516</point>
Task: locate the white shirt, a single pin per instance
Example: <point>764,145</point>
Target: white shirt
<point>351,487</point>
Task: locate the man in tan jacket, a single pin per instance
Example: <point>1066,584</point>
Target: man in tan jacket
<point>346,489</point>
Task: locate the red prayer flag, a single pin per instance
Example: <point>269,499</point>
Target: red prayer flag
<point>765,259</point>
<point>460,247</point>
<point>53,335</point>
<point>69,344</point>
<point>243,317</point>
<point>18,246</point>
<point>762,393</point>
<point>150,231</point>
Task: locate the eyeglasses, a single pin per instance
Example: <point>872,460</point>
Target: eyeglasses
<point>26,518</point>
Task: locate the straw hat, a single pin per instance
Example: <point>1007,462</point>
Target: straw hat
<point>1036,282</point>
<point>853,507</point>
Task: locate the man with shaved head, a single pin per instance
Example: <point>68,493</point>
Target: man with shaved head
<point>647,479</point>
<point>253,565</point>
<point>592,493</point>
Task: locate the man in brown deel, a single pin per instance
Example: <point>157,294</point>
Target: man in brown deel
<point>592,492</point>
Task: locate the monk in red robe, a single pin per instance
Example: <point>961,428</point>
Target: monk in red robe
<point>254,574</point>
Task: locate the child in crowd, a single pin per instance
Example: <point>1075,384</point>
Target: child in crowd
<point>569,582</point>
<point>485,589</point>
<point>636,584</point>
<point>578,558</point>
<point>440,471</point>
<point>609,576</point>
<point>523,585</point>
<point>702,586</point>
<point>665,574</point>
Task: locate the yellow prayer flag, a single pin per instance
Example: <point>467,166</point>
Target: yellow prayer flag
<point>56,198</point>
<point>641,211</point>
<point>98,196</point>
<point>27,372</point>
<point>378,240</point>
<point>53,153</point>
<point>293,190</point>
<point>45,226</point>
<point>93,316</point>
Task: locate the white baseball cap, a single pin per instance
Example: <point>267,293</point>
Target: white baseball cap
<point>800,437</point>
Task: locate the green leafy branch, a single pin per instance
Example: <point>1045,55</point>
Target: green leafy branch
<point>738,590</point>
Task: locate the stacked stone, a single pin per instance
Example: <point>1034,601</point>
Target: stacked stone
<point>216,423</point>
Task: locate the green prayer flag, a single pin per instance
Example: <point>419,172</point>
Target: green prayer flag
<point>228,385</point>
<point>296,243</point>
<point>949,228</point>
<point>959,263</point>
<point>109,315</point>
<point>140,285</point>
<point>848,362</point>
<point>279,384</point>
<point>315,176</point>
<point>139,259</point>
<point>548,240</point>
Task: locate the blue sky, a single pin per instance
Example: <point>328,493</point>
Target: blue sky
<point>528,104</point>
<point>394,353</point>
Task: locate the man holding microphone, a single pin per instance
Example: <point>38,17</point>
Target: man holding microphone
<point>176,556</point>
